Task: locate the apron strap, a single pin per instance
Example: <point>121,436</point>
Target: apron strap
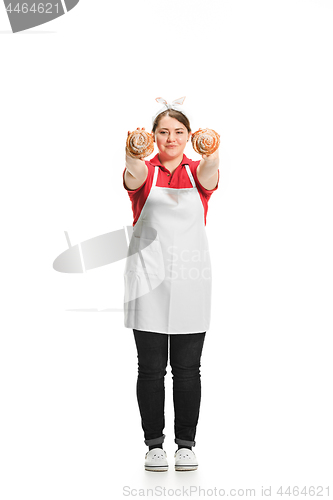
<point>155,175</point>
<point>190,176</point>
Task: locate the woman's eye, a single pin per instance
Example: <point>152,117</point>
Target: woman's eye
<point>180,132</point>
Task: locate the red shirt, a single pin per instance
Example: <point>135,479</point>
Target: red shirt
<point>177,180</point>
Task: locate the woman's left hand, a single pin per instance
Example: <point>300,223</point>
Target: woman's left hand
<point>213,156</point>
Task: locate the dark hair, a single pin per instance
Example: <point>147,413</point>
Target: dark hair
<point>173,113</point>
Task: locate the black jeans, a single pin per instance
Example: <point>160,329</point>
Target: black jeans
<point>185,355</point>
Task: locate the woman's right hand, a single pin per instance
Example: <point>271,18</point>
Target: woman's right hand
<point>138,128</point>
<point>128,156</point>
<point>136,169</point>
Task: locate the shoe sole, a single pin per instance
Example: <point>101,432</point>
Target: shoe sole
<point>157,468</point>
<point>181,468</point>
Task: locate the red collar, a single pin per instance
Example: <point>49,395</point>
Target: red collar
<point>156,162</point>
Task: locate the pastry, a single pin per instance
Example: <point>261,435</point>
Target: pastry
<point>205,141</point>
<point>139,144</point>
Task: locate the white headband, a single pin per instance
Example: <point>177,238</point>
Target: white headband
<point>173,105</point>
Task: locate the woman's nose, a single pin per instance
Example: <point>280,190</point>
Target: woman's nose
<point>171,137</point>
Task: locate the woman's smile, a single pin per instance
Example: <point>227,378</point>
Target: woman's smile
<point>171,137</point>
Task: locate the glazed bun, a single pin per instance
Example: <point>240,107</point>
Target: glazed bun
<point>205,141</point>
<point>139,144</point>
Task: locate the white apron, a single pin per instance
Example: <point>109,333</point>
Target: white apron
<point>168,270</point>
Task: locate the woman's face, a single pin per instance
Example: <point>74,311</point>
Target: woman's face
<point>171,137</point>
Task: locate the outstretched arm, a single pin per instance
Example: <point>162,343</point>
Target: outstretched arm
<point>207,171</point>
<point>136,171</point>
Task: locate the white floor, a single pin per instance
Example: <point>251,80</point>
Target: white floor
<point>72,427</point>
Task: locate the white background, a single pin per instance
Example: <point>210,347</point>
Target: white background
<point>258,72</point>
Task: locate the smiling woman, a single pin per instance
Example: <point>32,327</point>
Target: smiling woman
<point>171,131</point>
<point>171,137</point>
<point>169,194</point>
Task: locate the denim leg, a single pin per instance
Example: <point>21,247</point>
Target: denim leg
<point>185,356</point>
<point>152,351</point>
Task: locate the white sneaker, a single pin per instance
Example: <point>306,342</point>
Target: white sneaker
<point>156,460</point>
<point>185,459</point>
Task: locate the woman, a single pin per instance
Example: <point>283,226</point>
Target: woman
<point>168,281</point>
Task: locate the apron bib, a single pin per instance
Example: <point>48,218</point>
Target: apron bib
<point>168,270</point>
